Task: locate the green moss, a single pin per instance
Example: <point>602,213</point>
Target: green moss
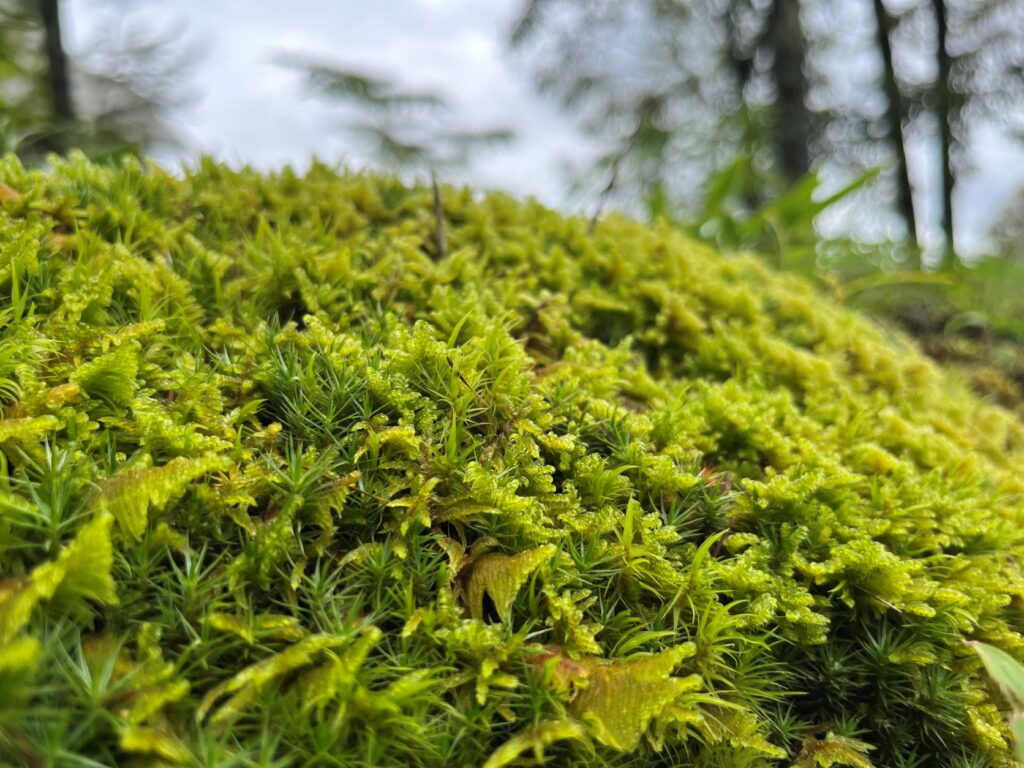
<point>284,486</point>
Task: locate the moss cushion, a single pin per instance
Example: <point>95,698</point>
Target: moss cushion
<point>296,475</point>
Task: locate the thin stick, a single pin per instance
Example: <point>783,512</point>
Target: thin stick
<point>442,245</point>
<point>613,179</point>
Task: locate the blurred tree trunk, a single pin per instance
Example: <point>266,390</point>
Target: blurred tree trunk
<point>896,114</point>
<point>56,63</point>
<point>741,60</point>
<point>741,65</point>
<point>945,114</point>
<point>788,45</point>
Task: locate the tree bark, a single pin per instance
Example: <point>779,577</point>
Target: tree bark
<point>788,46</point>
<point>896,114</point>
<point>741,67</point>
<point>741,62</point>
<point>946,116</point>
<point>57,63</point>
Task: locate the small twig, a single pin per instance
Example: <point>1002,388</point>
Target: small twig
<point>459,373</point>
<point>442,245</point>
<point>612,180</point>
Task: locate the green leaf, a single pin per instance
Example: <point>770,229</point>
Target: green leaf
<point>619,700</point>
<point>27,429</point>
<point>501,577</point>
<point>536,738</point>
<point>131,494</point>
<point>154,742</point>
<point>111,377</point>
<point>833,750</point>
<point>336,680</point>
<point>81,571</point>
<point>245,685</point>
<point>19,655</point>
<point>1008,674</point>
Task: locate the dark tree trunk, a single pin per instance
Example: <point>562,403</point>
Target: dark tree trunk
<point>741,67</point>
<point>896,114</point>
<point>946,115</point>
<point>788,45</point>
<point>57,63</point>
<point>741,61</point>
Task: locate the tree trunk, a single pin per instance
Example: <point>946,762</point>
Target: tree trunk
<point>788,46</point>
<point>741,66</point>
<point>741,61</point>
<point>946,116</point>
<point>57,63</point>
<point>896,114</point>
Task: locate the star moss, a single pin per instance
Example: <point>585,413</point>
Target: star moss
<point>284,485</point>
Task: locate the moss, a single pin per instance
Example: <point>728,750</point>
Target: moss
<point>282,487</point>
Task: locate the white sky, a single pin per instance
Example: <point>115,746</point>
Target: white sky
<point>250,110</point>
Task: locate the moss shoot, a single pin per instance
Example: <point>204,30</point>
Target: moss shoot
<point>284,485</point>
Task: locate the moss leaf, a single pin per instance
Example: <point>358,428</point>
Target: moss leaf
<point>501,577</point>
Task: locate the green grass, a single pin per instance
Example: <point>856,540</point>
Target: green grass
<point>285,486</point>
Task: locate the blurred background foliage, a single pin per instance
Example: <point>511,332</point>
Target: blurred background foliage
<point>405,128</point>
<point>830,137</point>
<point>114,99</point>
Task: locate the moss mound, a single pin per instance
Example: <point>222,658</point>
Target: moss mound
<point>285,486</point>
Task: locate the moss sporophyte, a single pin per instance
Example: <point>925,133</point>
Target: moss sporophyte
<point>285,485</point>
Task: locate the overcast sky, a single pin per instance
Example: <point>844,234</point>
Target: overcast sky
<point>249,109</point>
